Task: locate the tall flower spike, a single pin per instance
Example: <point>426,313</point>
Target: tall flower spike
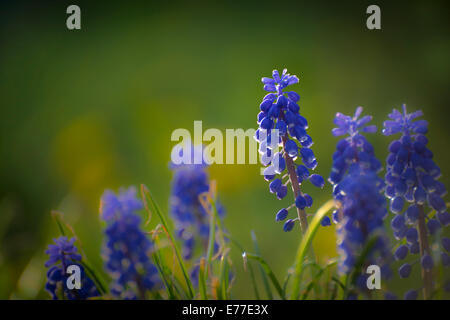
<point>127,248</point>
<point>62,254</point>
<point>352,151</point>
<point>191,220</point>
<point>361,215</point>
<point>280,111</point>
<point>412,182</point>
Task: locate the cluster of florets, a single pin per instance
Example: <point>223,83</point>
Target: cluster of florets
<point>189,182</point>
<point>127,248</point>
<point>362,209</point>
<point>63,254</point>
<point>280,124</point>
<point>412,182</point>
<point>357,189</point>
<point>354,148</point>
<point>351,151</point>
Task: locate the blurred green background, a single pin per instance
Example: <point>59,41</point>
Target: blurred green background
<point>86,110</point>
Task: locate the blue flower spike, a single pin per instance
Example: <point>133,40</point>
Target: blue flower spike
<point>62,254</point>
<point>354,153</point>
<point>191,219</point>
<point>127,248</point>
<point>358,191</point>
<point>412,183</point>
<point>280,110</point>
<point>362,211</point>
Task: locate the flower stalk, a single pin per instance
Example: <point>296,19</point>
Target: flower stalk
<point>427,275</point>
<point>295,188</point>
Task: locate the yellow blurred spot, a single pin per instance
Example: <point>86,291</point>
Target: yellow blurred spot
<point>31,280</point>
<point>84,157</point>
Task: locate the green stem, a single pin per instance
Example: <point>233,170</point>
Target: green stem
<point>297,192</point>
<point>212,238</point>
<point>304,246</point>
<point>427,275</point>
<point>269,272</point>
<point>202,280</point>
<point>295,188</point>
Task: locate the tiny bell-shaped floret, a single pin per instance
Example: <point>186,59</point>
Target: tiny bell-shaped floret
<point>401,252</point>
<point>288,225</point>
<point>405,270</point>
<point>281,215</point>
<point>427,262</point>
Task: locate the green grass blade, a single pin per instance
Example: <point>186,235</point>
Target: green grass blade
<point>268,271</point>
<point>314,282</point>
<point>57,216</point>
<point>261,269</point>
<point>305,244</point>
<point>255,286</point>
<point>218,221</point>
<point>212,240</point>
<point>286,282</point>
<point>178,286</point>
<point>167,274</point>
<point>167,284</point>
<point>225,280</point>
<point>310,285</point>
<point>223,277</point>
<point>250,268</point>
<point>146,194</point>
<point>351,280</point>
<point>334,291</point>
<point>93,275</point>
<point>202,280</point>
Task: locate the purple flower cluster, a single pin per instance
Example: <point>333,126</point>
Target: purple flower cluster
<point>354,148</point>
<point>127,248</point>
<point>412,182</point>
<point>280,124</point>
<point>362,209</point>
<point>62,254</point>
<point>353,152</point>
<point>191,220</point>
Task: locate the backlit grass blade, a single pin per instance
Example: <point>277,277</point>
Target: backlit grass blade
<point>202,280</point>
<point>314,282</point>
<point>167,284</point>
<point>211,242</point>
<point>286,282</point>
<point>357,269</point>
<point>146,194</point>
<point>268,271</point>
<point>57,216</point>
<point>305,244</point>
<point>249,265</point>
<point>261,270</point>
<point>223,276</point>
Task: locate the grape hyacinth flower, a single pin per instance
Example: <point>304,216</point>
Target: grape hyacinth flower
<point>63,254</point>
<point>280,124</point>
<point>362,209</point>
<point>354,148</point>
<point>412,183</point>
<point>126,248</point>
<point>191,219</point>
<point>353,151</point>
